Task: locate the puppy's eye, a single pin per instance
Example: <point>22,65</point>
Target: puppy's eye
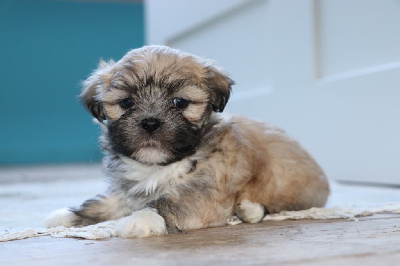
<point>181,103</point>
<point>126,103</point>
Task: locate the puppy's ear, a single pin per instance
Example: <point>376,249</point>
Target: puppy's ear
<point>92,86</point>
<point>220,86</point>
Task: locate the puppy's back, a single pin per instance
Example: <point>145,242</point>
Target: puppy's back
<point>286,177</point>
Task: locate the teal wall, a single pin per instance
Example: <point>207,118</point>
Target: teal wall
<point>46,49</point>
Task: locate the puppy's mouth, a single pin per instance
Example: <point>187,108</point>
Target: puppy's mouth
<point>151,150</point>
<point>151,155</point>
<point>150,143</point>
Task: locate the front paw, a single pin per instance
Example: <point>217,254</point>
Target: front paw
<point>62,217</point>
<point>141,223</point>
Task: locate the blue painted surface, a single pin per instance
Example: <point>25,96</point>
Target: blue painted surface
<point>46,49</point>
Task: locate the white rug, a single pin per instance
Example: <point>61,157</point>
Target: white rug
<point>28,195</point>
<point>107,229</point>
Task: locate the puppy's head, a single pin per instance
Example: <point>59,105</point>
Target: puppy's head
<point>155,102</point>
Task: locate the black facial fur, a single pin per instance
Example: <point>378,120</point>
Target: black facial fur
<point>180,143</point>
<point>175,135</point>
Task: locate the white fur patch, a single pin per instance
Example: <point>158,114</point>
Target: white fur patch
<point>63,217</point>
<point>151,176</point>
<point>141,223</point>
<point>151,155</point>
<point>250,212</point>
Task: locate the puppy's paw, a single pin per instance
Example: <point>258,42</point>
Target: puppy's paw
<point>141,223</point>
<point>250,212</point>
<point>62,217</point>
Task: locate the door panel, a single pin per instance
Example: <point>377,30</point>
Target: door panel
<point>326,71</point>
<point>357,34</point>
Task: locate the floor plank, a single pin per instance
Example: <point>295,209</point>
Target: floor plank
<point>305,242</point>
<point>27,195</point>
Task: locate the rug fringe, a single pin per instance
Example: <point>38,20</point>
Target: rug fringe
<point>107,229</point>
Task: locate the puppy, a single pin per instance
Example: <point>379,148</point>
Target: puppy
<point>174,163</point>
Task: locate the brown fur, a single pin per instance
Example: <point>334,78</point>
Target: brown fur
<point>196,169</point>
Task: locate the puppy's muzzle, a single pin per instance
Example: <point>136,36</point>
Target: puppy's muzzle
<point>150,124</point>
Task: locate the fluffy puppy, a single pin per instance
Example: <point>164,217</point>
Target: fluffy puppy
<point>174,164</point>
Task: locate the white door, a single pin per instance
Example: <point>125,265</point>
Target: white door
<point>328,72</point>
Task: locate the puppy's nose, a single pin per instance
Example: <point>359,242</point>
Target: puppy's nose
<point>150,124</point>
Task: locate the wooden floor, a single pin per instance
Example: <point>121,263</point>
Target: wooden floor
<point>27,195</point>
<point>369,241</point>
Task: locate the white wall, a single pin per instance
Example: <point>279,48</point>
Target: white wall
<point>326,71</point>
